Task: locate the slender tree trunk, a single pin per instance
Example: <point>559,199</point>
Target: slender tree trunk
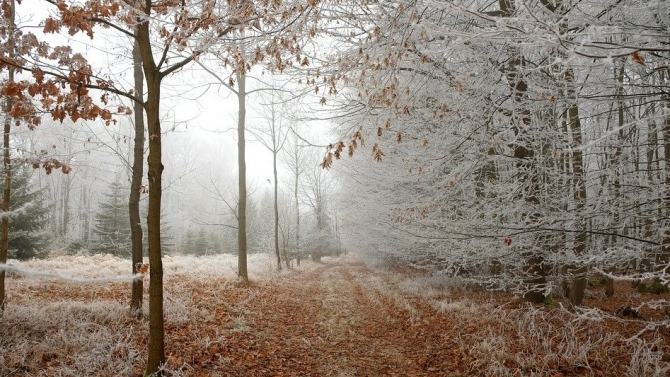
<point>4,240</point>
<point>276,194</point>
<point>579,281</point>
<point>242,188</point>
<point>86,216</point>
<point>153,78</point>
<point>136,185</point>
<point>524,156</point>
<point>665,249</point>
<point>317,250</point>
<point>618,153</point>
<point>297,204</point>
<point>275,146</point>
<point>652,165</point>
<point>67,186</point>
<point>156,338</point>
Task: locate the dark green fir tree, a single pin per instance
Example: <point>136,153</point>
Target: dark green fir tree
<point>26,228</point>
<point>111,231</point>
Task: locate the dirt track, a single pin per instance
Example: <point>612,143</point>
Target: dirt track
<point>338,320</point>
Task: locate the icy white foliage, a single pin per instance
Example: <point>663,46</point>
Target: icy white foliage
<point>461,306</point>
<point>523,142</point>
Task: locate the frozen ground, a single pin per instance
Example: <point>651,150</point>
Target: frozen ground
<point>338,318</point>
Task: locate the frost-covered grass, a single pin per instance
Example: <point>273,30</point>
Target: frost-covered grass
<point>224,266</point>
<point>67,338</point>
<point>58,327</point>
<point>94,266</point>
<point>534,342</point>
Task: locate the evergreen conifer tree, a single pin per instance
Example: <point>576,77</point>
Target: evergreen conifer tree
<point>201,246</point>
<point>26,229</point>
<point>215,242</point>
<point>188,241</point>
<point>111,231</point>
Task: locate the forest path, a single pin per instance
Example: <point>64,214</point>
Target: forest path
<point>340,319</point>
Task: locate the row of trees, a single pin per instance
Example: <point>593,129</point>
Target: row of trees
<point>110,230</point>
<point>88,206</point>
<point>525,145</point>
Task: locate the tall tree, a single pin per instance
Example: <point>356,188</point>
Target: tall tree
<point>273,137</point>
<point>136,183</point>
<point>242,177</point>
<point>140,17</point>
<point>318,187</point>
<point>275,40</point>
<point>8,7</point>
<point>296,160</point>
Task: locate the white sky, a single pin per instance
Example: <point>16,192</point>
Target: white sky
<point>208,116</point>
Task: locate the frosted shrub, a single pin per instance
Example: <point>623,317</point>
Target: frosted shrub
<point>535,342</point>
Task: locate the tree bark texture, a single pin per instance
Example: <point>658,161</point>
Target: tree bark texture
<point>153,77</point>
<point>136,184</point>
<point>4,239</point>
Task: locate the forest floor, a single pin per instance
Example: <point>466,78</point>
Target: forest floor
<point>338,318</point>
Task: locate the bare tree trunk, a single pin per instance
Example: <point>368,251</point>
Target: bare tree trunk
<point>136,185</point>
<point>4,241</point>
<point>523,156</point>
<point>273,127</point>
<point>618,152</point>
<point>576,294</point>
<point>242,170</point>
<point>297,205</point>
<point>156,323</point>
<point>67,187</point>
<point>85,214</point>
<point>156,338</point>
<point>665,250</point>
<point>317,250</point>
<point>276,193</point>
